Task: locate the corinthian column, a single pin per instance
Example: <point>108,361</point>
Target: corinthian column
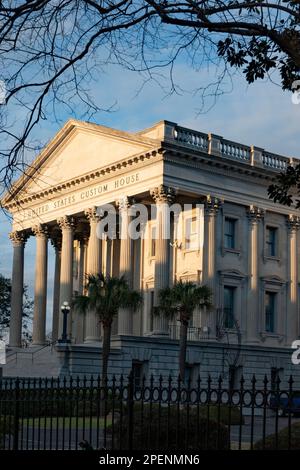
<point>40,289</point>
<point>293,224</point>
<point>67,225</point>
<point>56,242</point>
<point>254,214</point>
<point>15,328</point>
<point>94,266</point>
<point>211,209</point>
<point>163,197</point>
<point>126,262</point>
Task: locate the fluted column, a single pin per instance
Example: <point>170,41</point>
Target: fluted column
<point>163,197</point>
<point>79,317</point>
<point>94,266</point>
<point>40,288</point>
<point>56,242</point>
<point>67,225</point>
<point>293,224</point>
<point>255,215</point>
<point>211,209</point>
<point>17,288</point>
<point>126,264</point>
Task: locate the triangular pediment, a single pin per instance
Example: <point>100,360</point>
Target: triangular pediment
<point>77,149</point>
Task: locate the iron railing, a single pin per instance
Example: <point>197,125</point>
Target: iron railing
<point>159,413</point>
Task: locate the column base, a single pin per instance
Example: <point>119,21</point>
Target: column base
<point>92,340</point>
<point>163,334</point>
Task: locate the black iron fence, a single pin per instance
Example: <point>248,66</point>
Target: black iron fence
<point>154,414</point>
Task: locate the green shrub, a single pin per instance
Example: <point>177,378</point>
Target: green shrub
<point>225,413</point>
<point>283,439</point>
<point>161,428</point>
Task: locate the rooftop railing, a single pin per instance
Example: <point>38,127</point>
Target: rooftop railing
<point>216,145</point>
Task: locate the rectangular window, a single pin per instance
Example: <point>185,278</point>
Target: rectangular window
<point>153,241</point>
<point>229,306</point>
<point>229,233</point>
<point>270,305</point>
<point>271,241</point>
<point>191,233</point>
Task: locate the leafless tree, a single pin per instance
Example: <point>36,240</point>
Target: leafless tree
<point>51,51</point>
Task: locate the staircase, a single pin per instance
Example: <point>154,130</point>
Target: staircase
<point>39,361</point>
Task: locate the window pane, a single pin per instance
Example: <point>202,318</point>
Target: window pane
<point>270,301</point>
<point>191,233</point>
<point>271,236</point>
<point>229,233</point>
<point>229,307</point>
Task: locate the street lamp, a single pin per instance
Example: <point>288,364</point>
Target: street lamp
<point>65,309</point>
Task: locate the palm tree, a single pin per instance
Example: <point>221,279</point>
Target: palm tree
<point>106,295</point>
<point>181,300</point>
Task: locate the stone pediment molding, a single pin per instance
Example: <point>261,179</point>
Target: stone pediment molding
<point>148,279</point>
<point>62,138</point>
<point>273,280</point>
<point>195,275</point>
<point>233,273</point>
<point>76,182</point>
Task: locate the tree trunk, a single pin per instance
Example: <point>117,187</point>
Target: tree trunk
<point>105,350</point>
<point>182,347</point>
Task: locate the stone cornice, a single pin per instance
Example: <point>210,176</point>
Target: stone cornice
<point>197,157</point>
<point>74,183</point>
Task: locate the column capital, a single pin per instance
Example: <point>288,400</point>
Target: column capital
<point>92,214</point>
<point>66,223</point>
<point>163,194</point>
<point>18,238</point>
<point>293,222</point>
<point>40,230</point>
<point>212,205</point>
<point>255,214</point>
<point>125,203</point>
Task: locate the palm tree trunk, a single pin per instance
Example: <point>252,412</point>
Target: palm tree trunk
<point>182,347</point>
<point>105,349</point>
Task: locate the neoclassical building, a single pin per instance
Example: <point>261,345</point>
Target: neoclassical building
<point>249,255</point>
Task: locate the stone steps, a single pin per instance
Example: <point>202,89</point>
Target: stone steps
<point>31,363</point>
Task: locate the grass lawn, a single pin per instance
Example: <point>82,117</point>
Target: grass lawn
<point>67,423</point>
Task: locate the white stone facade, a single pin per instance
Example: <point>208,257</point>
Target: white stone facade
<point>249,256</point>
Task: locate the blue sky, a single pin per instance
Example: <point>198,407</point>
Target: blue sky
<point>260,114</point>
